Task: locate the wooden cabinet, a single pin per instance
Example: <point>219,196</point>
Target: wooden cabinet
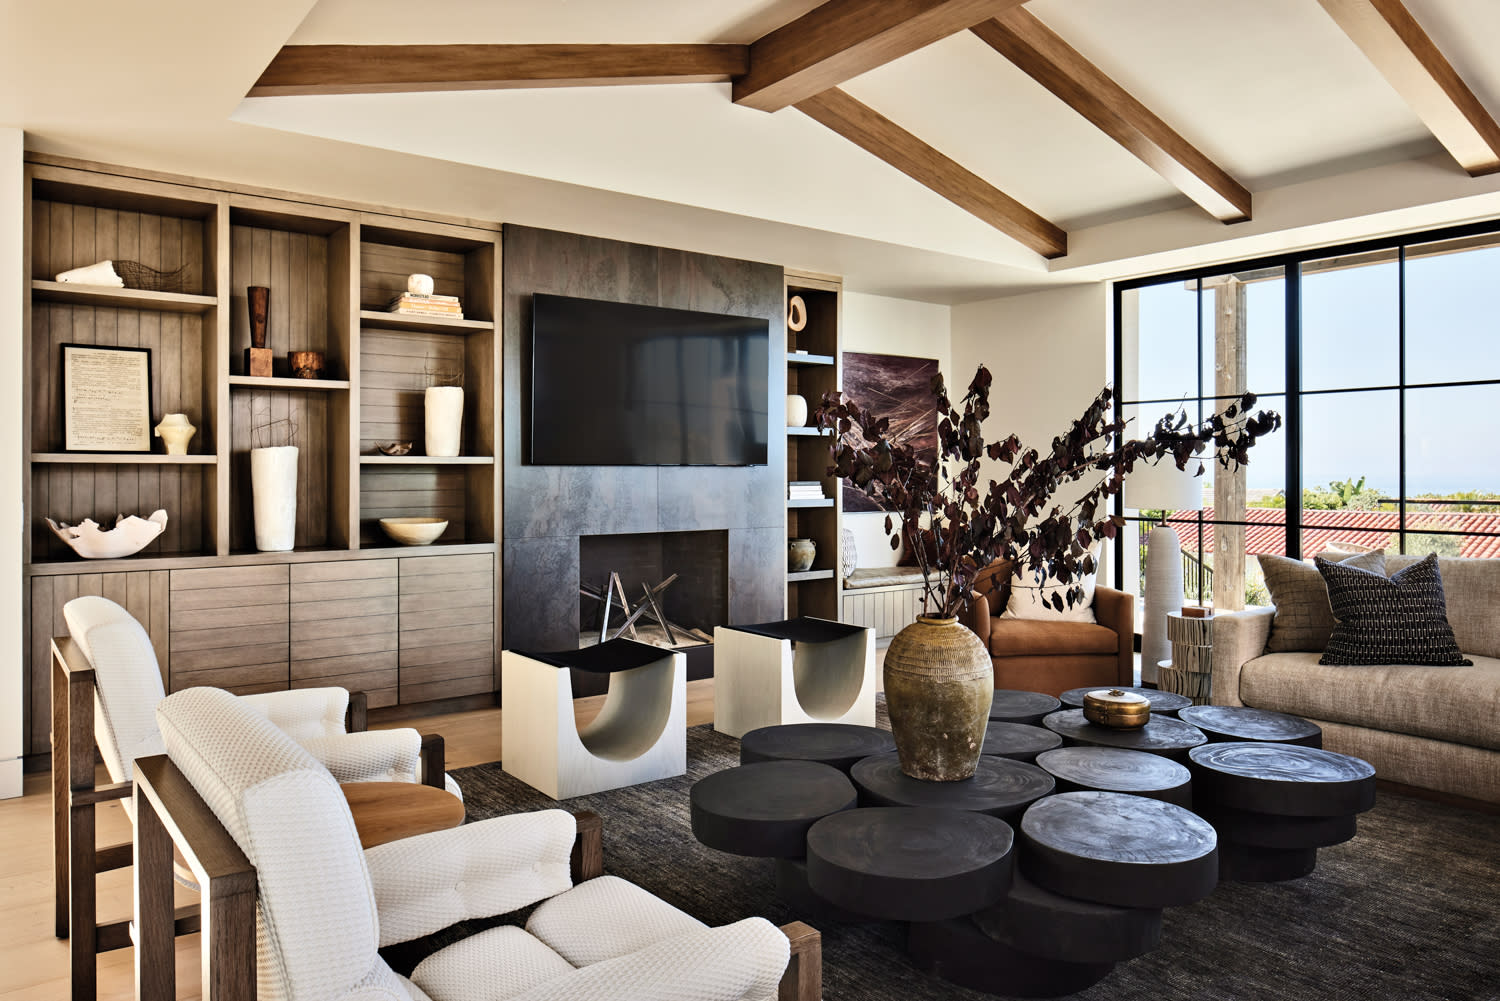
<point>447,627</point>
<point>327,613</point>
<point>229,629</point>
<point>344,631</point>
<point>812,369</point>
<point>144,593</point>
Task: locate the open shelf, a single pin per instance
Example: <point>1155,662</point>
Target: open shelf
<point>422,324</point>
<point>130,298</point>
<point>276,382</point>
<point>820,502</point>
<point>795,578</point>
<point>794,358</point>
<point>427,460</point>
<point>123,458</point>
<point>809,432</point>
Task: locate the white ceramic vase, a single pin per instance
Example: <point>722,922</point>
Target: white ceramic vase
<point>273,486</point>
<point>445,417</point>
<point>796,411</point>
<point>175,431</point>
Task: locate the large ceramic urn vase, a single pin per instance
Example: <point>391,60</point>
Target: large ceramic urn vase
<point>939,684</point>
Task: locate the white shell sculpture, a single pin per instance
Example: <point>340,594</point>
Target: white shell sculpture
<point>128,537</point>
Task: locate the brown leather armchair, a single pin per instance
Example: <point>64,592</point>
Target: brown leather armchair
<point>1039,655</point>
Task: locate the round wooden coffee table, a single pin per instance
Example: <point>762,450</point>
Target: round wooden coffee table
<point>1018,741</point>
<point>1275,805</point>
<point>1227,723</point>
<point>1162,703</point>
<point>1113,848</point>
<point>1113,769</point>
<point>765,809</point>
<point>909,864</point>
<point>1011,705</point>
<point>837,744</point>
<point>390,811</point>
<point>1163,735</point>
<point>1000,787</point>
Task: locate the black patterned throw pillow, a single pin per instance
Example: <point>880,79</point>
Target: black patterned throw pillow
<point>1401,619</point>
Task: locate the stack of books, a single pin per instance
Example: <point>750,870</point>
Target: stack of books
<point>804,490</point>
<point>427,305</point>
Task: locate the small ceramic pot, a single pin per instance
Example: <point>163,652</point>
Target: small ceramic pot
<point>796,411</point>
<point>419,284</point>
<point>175,431</point>
<point>800,554</point>
<point>305,364</point>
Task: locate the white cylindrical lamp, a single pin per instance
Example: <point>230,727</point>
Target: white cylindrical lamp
<point>1162,487</point>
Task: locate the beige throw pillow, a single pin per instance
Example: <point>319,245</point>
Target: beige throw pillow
<point>1030,601</point>
<point>1304,618</point>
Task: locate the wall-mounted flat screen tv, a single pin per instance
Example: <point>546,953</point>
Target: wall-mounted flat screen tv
<point>616,384</point>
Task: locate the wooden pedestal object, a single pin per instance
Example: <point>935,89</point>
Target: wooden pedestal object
<point>258,362</point>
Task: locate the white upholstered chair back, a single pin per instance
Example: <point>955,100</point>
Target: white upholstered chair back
<point>316,712</point>
<point>317,924</point>
<point>127,681</point>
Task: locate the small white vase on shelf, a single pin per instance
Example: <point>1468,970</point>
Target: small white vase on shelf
<point>444,419</point>
<point>796,411</point>
<point>175,431</point>
<point>273,487</point>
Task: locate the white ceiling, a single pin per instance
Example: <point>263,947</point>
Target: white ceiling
<point>1270,89</point>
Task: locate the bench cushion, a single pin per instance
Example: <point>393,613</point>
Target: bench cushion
<point>1457,704</point>
<point>883,576</point>
<point>1050,637</point>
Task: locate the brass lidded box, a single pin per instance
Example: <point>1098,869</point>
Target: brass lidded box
<point>1117,709</point>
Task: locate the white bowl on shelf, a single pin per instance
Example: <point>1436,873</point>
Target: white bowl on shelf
<point>414,531</point>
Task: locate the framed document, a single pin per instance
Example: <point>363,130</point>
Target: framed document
<point>106,394</point>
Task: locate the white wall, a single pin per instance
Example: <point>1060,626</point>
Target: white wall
<point>12,215</point>
<point>1049,353</point>
<point>874,324</point>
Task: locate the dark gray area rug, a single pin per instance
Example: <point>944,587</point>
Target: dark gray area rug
<point>1407,911</point>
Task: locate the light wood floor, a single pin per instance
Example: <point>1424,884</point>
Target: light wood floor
<point>34,964</point>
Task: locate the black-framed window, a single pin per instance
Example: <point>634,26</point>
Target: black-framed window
<point>1383,358</point>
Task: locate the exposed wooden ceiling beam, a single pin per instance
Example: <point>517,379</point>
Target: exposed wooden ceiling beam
<point>841,39</point>
<point>879,135</point>
<point>1393,40</point>
<point>393,69</point>
<point>1038,51</point>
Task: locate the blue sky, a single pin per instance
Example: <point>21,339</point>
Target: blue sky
<point>1351,338</point>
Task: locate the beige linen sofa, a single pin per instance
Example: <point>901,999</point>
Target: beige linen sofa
<point>1433,727</point>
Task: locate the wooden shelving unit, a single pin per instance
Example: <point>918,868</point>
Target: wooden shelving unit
<point>331,271</point>
<point>817,591</point>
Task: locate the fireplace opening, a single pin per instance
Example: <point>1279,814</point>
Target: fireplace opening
<point>667,589</point>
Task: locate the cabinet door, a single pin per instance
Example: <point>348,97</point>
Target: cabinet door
<point>142,593</point>
<point>343,628</point>
<point>229,629</point>
<point>447,626</point>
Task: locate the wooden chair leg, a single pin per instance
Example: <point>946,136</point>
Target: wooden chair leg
<point>60,773</point>
<point>803,979</point>
<point>82,895</point>
<point>588,848</point>
<point>155,946</point>
<point>433,765</point>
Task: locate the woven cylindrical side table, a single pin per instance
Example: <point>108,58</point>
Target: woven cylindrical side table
<point>1190,671</point>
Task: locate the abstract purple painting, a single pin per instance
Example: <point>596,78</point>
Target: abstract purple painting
<point>899,388</point>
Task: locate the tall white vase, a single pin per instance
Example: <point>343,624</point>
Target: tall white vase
<point>273,486</point>
<point>1163,595</point>
<point>445,418</point>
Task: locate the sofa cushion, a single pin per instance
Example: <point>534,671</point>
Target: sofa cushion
<point>1400,619</point>
<point>1050,637</point>
<point>1304,619</point>
<point>1457,704</point>
<point>1030,599</point>
<point>1471,589</point>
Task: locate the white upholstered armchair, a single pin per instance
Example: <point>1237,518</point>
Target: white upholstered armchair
<point>106,685</point>
<point>302,910</point>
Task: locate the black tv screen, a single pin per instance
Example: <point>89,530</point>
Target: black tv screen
<point>615,384</point>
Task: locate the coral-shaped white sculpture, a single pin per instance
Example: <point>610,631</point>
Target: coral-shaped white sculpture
<point>128,537</point>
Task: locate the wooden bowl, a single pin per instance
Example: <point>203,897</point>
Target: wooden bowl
<point>414,531</point>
